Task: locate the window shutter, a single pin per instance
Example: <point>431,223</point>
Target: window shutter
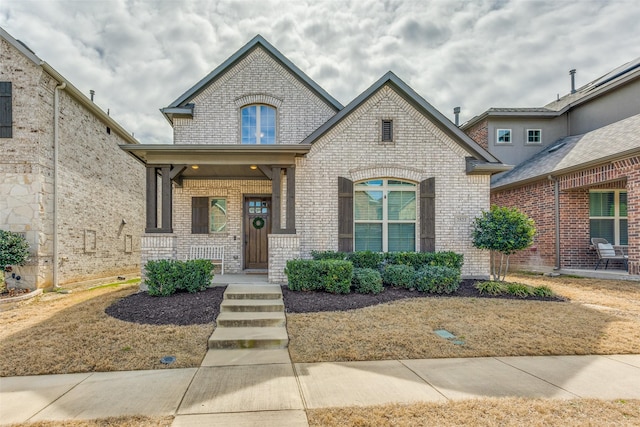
<point>345,215</point>
<point>199,215</point>
<point>387,130</point>
<point>428,215</point>
<point>6,119</point>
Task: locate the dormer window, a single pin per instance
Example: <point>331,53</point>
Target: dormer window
<point>258,124</point>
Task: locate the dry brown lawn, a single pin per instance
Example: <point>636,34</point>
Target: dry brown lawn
<point>133,421</point>
<point>486,412</point>
<point>603,317</point>
<point>57,334</point>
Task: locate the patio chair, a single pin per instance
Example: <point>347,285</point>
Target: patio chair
<point>606,251</point>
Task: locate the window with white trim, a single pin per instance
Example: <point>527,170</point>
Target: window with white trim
<point>608,216</point>
<point>503,136</point>
<point>258,124</point>
<point>217,215</point>
<point>385,215</point>
<point>534,136</point>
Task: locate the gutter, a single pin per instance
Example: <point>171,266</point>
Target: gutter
<point>556,198</point>
<point>56,137</point>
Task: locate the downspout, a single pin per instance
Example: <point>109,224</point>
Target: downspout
<point>556,193</point>
<point>56,136</point>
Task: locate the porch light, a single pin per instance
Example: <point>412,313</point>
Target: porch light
<point>194,167</point>
<point>253,167</point>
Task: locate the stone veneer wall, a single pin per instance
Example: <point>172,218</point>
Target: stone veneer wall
<point>282,247</point>
<point>257,78</point>
<point>420,151</point>
<point>99,184</point>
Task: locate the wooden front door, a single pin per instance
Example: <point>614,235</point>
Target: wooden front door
<point>257,226</point>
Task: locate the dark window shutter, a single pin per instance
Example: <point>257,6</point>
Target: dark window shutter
<point>6,119</point>
<point>345,215</point>
<point>428,215</point>
<point>199,215</point>
<point>387,130</point>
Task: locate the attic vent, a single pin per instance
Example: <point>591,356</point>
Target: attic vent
<point>556,147</point>
<point>387,130</point>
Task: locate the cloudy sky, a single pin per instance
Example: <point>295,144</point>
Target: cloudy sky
<point>140,55</point>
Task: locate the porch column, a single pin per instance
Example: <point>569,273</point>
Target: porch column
<point>291,200</point>
<point>152,199</point>
<point>167,200</point>
<point>276,201</point>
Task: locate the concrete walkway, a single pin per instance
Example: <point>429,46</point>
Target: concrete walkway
<point>263,387</point>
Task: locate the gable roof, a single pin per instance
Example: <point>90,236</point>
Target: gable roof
<point>69,88</point>
<point>598,87</point>
<point>617,140</point>
<point>482,157</point>
<point>182,104</point>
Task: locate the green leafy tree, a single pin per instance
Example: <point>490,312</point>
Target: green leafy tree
<point>503,231</point>
<point>14,250</point>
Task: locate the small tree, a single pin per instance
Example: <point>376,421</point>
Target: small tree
<point>14,250</point>
<point>502,230</point>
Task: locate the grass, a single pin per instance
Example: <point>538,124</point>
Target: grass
<point>124,421</point>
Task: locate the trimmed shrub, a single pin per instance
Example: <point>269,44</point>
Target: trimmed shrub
<point>330,275</point>
<point>437,279</point>
<point>165,277</point>
<point>419,260</point>
<point>543,291</point>
<point>14,249</point>
<point>322,255</point>
<point>366,259</point>
<point>399,276</point>
<point>491,287</point>
<point>519,290</point>
<point>367,281</point>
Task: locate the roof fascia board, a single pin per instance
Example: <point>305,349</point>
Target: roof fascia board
<point>21,47</point>
<point>240,54</point>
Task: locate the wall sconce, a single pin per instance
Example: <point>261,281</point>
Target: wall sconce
<point>253,167</point>
<point>194,167</point>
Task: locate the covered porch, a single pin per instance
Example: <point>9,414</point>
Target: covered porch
<point>238,197</point>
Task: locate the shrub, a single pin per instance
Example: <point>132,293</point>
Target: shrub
<point>543,291</point>
<point>14,249</point>
<point>330,275</point>
<point>366,259</point>
<point>399,276</point>
<point>491,287</point>
<point>367,281</point>
<point>322,255</point>
<point>519,290</point>
<point>165,277</point>
<point>419,260</point>
<point>438,279</point>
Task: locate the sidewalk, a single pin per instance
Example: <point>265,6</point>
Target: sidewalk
<point>263,387</point>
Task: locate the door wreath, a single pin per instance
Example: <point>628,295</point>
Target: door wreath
<point>258,223</point>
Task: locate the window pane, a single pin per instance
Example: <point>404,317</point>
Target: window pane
<point>402,205</point>
<point>601,204</point>
<point>368,237</point>
<point>402,237</point>
<point>623,204</point>
<point>267,125</point>
<point>401,183</point>
<point>368,205</point>
<point>624,236</point>
<point>504,135</point>
<point>373,183</point>
<point>218,215</point>
<point>602,228</point>
<point>249,125</point>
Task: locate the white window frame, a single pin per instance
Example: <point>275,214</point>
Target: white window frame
<point>528,136</point>
<point>616,214</point>
<point>258,124</point>
<point>385,221</point>
<point>504,142</point>
<point>226,215</point>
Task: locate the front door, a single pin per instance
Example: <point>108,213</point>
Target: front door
<point>257,226</point>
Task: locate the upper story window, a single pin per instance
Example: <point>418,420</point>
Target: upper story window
<point>6,119</point>
<point>503,136</point>
<point>258,124</point>
<point>534,136</point>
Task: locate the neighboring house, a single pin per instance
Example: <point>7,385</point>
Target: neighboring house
<point>268,165</point>
<point>64,182</point>
<point>577,172</point>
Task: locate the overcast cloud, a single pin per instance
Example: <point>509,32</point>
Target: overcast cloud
<point>140,55</point>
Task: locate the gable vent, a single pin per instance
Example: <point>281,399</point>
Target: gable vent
<point>387,130</point>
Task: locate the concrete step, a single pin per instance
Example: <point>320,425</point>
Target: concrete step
<point>259,337</point>
<point>236,291</point>
<point>236,319</point>
<point>253,305</point>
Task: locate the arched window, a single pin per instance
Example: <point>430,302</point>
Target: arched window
<point>258,124</point>
<point>385,215</point>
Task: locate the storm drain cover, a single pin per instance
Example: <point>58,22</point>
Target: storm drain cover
<point>167,360</point>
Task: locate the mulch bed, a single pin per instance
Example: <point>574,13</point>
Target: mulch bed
<point>203,307</point>
<point>14,292</point>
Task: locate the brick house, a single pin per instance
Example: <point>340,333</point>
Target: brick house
<point>64,182</point>
<point>268,165</point>
<point>577,170</point>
